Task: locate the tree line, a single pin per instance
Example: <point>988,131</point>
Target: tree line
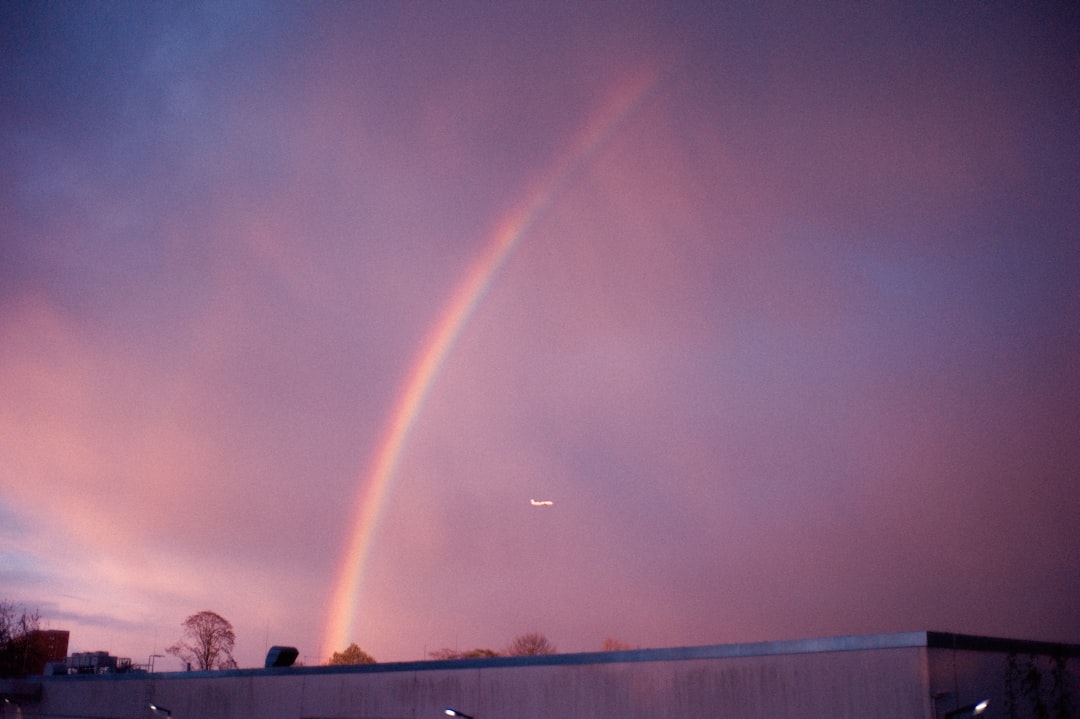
<point>528,644</point>
<point>208,640</point>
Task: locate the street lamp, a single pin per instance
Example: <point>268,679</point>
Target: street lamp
<point>968,710</point>
<point>455,713</point>
<point>160,710</point>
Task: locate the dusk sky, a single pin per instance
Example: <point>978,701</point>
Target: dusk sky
<point>302,303</point>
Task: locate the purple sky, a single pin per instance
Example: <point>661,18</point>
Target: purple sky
<point>794,349</point>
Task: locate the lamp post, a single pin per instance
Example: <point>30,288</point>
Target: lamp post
<point>160,710</point>
<point>450,712</point>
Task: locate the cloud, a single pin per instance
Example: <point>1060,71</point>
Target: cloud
<point>792,350</point>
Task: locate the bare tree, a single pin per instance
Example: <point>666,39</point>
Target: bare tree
<point>530,643</point>
<point>17,628</point>
<point>614,645</point>
<point>207,643</point>
<point>353,654</point>
<point>477,653</point>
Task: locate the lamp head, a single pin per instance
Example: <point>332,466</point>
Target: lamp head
<point>969,710</point>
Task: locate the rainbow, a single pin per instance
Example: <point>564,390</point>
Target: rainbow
<point>376,489</point>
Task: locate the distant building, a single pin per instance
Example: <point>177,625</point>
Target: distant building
<point>45,646</point>
<point>97,663</point>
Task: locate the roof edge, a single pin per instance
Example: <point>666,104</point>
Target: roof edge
<point>972,642</point>
<point>861,642</point>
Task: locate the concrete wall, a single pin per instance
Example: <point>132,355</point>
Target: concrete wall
<point>843,678</point>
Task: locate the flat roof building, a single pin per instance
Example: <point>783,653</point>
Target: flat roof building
<point>916,675</point>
